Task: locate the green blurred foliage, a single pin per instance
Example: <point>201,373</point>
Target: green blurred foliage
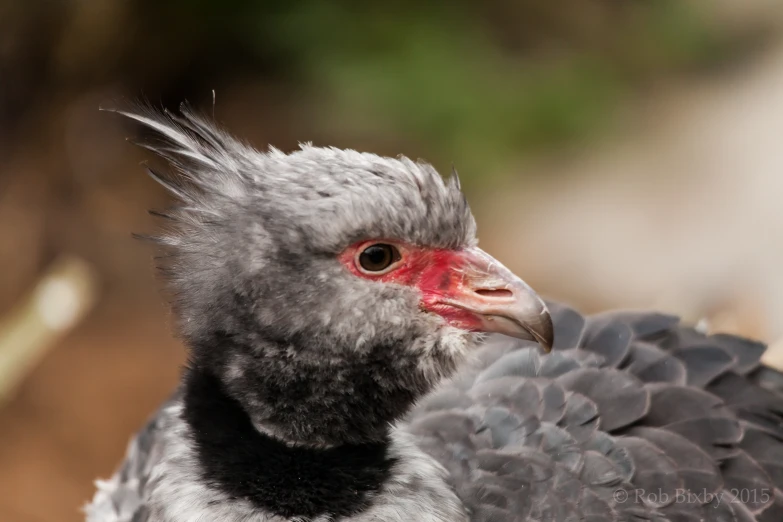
<point>445,74</point>
<point>476,83</point>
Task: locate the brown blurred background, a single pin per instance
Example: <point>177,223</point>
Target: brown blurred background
<point>616,153</point>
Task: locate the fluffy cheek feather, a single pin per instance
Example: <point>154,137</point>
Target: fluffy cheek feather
<point>435,273</point>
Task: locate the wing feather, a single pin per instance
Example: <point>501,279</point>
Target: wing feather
<point>632,416</point>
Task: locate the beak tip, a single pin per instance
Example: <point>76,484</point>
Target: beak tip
<point>545,333</point>
<point>516,310</point>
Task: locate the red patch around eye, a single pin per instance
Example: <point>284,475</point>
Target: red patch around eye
<point>435,272</point>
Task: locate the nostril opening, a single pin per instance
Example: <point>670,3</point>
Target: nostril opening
<point>494,292</point>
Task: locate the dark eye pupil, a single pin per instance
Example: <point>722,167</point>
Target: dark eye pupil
<point>377,257</point>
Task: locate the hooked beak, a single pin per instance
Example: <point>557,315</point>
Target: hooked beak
<point>497,300</point>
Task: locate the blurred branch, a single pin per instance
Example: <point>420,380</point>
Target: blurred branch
<point>58,302</point>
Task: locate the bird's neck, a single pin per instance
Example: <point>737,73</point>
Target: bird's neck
<point>305,396</point>
<point>304,442</point>
<point>275,477</point>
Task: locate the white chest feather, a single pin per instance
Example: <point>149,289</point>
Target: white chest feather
<point>173,491</point>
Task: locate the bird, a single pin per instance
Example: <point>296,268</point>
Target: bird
<point>353,355</point>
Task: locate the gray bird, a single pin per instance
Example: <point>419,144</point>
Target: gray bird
<point>354,356</point>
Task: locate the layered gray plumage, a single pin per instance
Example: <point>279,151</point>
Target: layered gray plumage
<point>632,416</point>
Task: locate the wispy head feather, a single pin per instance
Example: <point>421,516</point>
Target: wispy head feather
<point>251,253</point>
<point>240,208</point>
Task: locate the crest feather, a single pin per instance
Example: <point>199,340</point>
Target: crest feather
<point>321,197</point>
<point>205,158</point>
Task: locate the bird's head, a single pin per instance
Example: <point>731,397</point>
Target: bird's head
<point>326,287</point>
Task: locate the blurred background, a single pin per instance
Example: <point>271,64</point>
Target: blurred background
<point>616,153</point>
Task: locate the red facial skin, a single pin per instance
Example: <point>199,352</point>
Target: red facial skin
<point>435,273</point>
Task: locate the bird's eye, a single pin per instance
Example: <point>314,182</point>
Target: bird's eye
<point>378,257</point>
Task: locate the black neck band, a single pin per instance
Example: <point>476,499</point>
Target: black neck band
<point>243,463</point>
